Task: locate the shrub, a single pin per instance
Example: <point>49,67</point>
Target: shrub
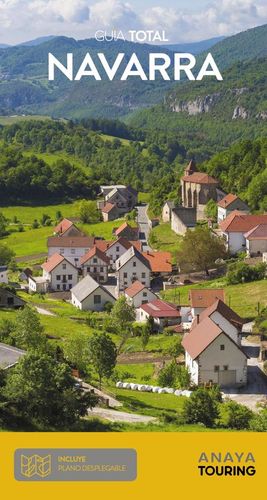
<point>240,272</point>
<point>233,415</point>
<point>259,422</point>
<point>201,407</point>
<point>174,375</point>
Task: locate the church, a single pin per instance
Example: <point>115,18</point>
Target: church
<point>197,188</point>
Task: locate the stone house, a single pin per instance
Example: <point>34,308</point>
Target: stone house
<point>88,295</point>
<point>183,219</point>
<point>228,204</point>
<point>96,264</point>
<point>138,294</point>
<point>167,211</point>
<point>60,273</point>
<point>130,267</point>
<point>72,248</point>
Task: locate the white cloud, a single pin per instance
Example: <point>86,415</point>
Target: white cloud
<point>25,19</point>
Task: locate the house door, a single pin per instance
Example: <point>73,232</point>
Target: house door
<point>227,377</point>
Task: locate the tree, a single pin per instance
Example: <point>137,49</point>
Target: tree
<point>234,416</point>
<point>6,331</point>
<point>28,331</point>
<point>103,355</point>
<point>259,421</point>
<point>122,319</point>
<point>201,407</point>
<point>176,348</point>
<point>88,212</point>
<point>6,254</point>
<point>76,351</point>
<point>43,391</point>
<point>174,375</point>
<point>3,224</point>
<point>200,249</point>
<point>211,210</point>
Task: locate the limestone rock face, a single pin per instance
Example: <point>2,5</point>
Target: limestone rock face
<point>240,112</point>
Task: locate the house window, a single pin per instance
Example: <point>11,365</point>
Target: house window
<point>95,269</point>
<point>134,263</point>
<point>58,277</point>
<point>101,269</point>
<point>225,367</point>
<point>70,277</point>
<point>143,275</point>
<point>125,275</point>
<point>117,249</point>
<point>117,257</point>
<point>72,251</point>
<point>10,301</point>
<point>58,287</point>
<point>144,294</point>
<point>222,347</point>
<point>216,368</point>
<point>95,260</point>
<point>88,269</point>
<point>64,266</point>
<point>76,260</point>
<point>97,299</point>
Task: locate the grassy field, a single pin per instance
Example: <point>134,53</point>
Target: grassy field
<point>141,372</point>
<point>9,120</point>
<point>156,343</point>
<point>148,403</point>
<point>244,299</point>
<point>143,197</point>
<point>50,158</point>
<point>34,241</point>
<point>26,215</point>
<point>163,238</point>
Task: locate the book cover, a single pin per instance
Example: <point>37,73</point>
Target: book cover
<point>133,248</point>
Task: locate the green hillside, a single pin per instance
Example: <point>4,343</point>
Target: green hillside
<point>24,87</point>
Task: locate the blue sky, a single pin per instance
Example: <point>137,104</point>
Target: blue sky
<point>183,21</point>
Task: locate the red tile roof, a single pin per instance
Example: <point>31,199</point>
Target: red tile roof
<point>160,262</point>
<point>160,309</point>
<point>103,245</point>
<point>63,226</point>
<point>205,297</point>
<point>240,222</point>
<point>134,289</point>
<point>108,207</point>
<point>257,233</point>
<point>200,178</point>
<point>71,242</point>
<point>227,200</point>
<point>92,253</point>
<point>53,262</point>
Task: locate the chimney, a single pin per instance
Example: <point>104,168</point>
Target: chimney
<point>198,319</point>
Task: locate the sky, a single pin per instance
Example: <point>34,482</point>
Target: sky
<point>182,20</point>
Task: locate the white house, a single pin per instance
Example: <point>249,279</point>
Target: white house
<point>130,267</point>
<point>3,274</point>
<point>167,211</point>
<point>138,294</point>
<point>38,284</point>
<point>202,298</point>
<point>72,248</point>
<point>227,319</point>
<point>61,274</point>
<point>95,263</point>
<point>88,295</point>
<point>256,240</point>
<point>163,313</point>
<point>213,357</point>
<point>228,204</point>
<point>236,225</point>
<point>183,219</point>
<point>118,247</point>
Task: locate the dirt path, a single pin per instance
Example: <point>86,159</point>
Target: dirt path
<point>120,416</point>
<point>141,357</point>
<point>44,312</point>
<point>27,258</point>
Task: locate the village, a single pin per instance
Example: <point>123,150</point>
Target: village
<point>91,274</point>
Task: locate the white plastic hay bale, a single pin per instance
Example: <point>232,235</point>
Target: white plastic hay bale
<point>155,389</point>
<point>148,388</point>
<point>186,393</point>
<point>141,388</point>
<point>125,385</point>
<point>134,387</point>
<point>170,390</point>
<point>178,392</point>
<point>119,385</point>
<point>128,386</point>
<point>162,390</point>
